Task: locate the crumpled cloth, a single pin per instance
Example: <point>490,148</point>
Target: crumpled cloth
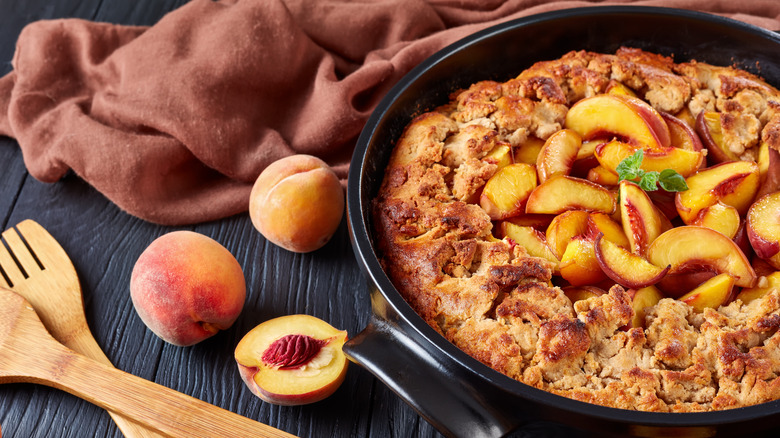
<point>174,122</point>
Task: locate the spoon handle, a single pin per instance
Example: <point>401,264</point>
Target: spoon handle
<point>147,403</point>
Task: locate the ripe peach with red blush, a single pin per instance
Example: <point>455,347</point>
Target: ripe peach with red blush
<point>186,287</point>
<point>297,203</point>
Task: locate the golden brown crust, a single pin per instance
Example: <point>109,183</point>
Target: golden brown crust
<point>492,300</point>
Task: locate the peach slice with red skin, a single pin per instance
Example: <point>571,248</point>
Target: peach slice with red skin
<point>641,299</point>
<point>601,223</point>
<point>720,217</point>
<point>564,227</point>
<point>713,293</point>
<point>505,194</point>
<point>579,265</point>
<point>626,117</point>
<point>533,240</point>
<point>538,221</point>
<point>602,176</point>
<point>642,221</point>
<point>562,193</point>
<point>624,267</point>
<point>710,130</point>
<point>763,286</point>
<point>558,154</point>
<point>733,183</point>
<point>292,360</point>
<point>694,249</point>
<point>763,228</point>
<point>683,161</point>
<point>682,135</point>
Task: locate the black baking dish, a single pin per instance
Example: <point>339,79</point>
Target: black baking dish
<point>457,394</point>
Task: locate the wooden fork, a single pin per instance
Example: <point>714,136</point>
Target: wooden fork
<point>45,276</point>
<point>28,353</point>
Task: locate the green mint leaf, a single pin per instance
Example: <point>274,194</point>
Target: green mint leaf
<point>649,181</point>
<point>629,168</point>
<point>671,181</point>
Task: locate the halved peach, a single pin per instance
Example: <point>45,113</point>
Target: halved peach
<point>577,293</point>
<point>627,117</point>
<point>565,227</point>
<point>713,293</point>
<point>641,299</point>
<point>763,286</point>
<point>533,240</point>
<point>709,128</point>
<point>528,151</point>
<point>292,359</point>
<point>506,192</point>
<point>682,135</point>
<point>719,217</point>
<point>691,248</point>
<point>562,193</point>
<point>579,265</point>
<point>685,162</point>
<point>558,154</point>
<point>733,183</point>
<point>763,228</point>
<point>642,221</point>
<point>624,267</point>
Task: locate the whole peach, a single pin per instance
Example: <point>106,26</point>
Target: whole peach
<point>297,203</point>
<point>186,287</point>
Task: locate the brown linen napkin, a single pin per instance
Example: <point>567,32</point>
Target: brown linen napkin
<point>174,122</point>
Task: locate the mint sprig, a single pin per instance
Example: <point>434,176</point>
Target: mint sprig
<point>631,169</point>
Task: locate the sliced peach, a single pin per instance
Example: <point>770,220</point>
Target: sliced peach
<point>685,162</point>
<point>602,223</point>
<point>733,183</point>
<point>533,240</point>
<point>624,116</point>
<point>624,267</point>
<point>763,228</point>
<point>713,293</point>
<point>682,135</point>
<point>642,221</point>
<point>565,227</point>
<point>506,192</point>
<point>719,217</point>
<point>292,360</point>
<point>558,154</point>
<point>690,248</point>
<point>709,128</point>
<point>686,116</point>
<point>769,170</point>
<point>562,193</point>
<point>501,155</point>
<point>538,221</point>
<point>603,176</point>
<point>578,293</point>
<point>528,151</point>
<point>665,202</point>
<point>763,286</point>
<point>615,87</point>
<point>641,299</point>
<point>579,265</point>
<point>675,285</point>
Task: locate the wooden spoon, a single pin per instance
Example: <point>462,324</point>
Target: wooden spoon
<point>29,354</point>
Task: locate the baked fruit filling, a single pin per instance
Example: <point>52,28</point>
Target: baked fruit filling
<point>603,226</point>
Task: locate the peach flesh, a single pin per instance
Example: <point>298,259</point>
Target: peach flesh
<point>297,203</point>
<point>318,378</point>
<point>186,287</point>
<point>763,228</point>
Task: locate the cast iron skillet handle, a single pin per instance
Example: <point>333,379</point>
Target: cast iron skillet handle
<point>437,393</point>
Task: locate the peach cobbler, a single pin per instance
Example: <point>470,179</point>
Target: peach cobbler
<point>603,226</point>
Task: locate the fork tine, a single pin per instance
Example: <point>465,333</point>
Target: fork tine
<point>20,251</point>
<point>48,251</point>
<point>11,269</point>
